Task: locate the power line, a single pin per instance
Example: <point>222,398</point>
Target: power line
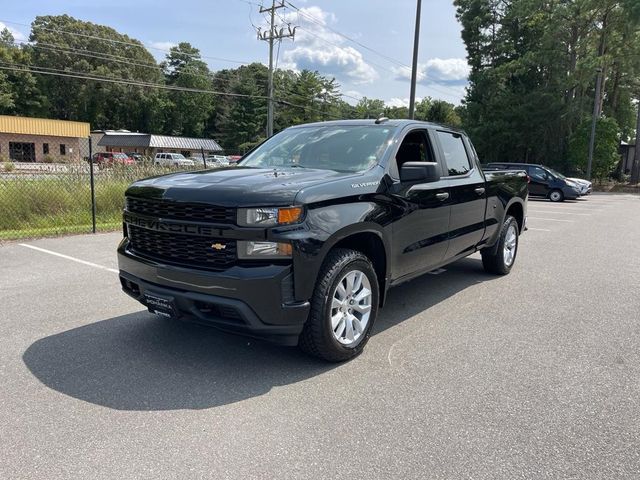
<point>65,73</point>
<point>76,75</point>
<point>126,60</point>
<point>121,59</point>
<point>346,37</point>
<point>122,42</point>
<point>437,89</point>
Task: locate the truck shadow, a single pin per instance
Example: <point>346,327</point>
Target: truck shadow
<point>140,362</point>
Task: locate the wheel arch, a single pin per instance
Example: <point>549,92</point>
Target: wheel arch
<point>516,210</point>
<point>368,240</point>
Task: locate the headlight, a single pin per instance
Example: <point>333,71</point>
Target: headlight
<point>268,217</point>
<point>263,250</point>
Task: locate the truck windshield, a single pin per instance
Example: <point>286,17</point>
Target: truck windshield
<point>343,148</point>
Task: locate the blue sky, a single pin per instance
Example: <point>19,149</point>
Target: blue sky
<point>223,29</point>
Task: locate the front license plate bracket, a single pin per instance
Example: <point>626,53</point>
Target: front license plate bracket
<point>161,305</point>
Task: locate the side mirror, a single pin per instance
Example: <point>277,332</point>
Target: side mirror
<point>424,172</point>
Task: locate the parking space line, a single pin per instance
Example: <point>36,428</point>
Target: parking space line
<point>562,213</point>
<point>73,259</point>
<point>551,219</point>
<point>538,229</point>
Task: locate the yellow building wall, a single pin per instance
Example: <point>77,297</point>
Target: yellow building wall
<point>43,126</point>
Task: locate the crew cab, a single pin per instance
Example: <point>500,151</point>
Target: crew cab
<point>300,243</point>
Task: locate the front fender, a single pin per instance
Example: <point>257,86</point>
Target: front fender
<point>324,228</point>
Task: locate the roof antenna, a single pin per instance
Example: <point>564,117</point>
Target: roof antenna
<point>381,119</point>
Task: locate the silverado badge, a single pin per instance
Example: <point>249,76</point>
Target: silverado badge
<point>218,246</point>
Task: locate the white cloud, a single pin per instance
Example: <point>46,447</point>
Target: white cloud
<point>318,48</point>
<point>354,93</point>
<point>18,36</point>
<point>445,71</point>
<point>166,46</point>
<point>448,70</point>
<point>400,102</point>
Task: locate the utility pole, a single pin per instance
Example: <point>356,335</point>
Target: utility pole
<point>270,36</point>
<point>596,114</point>
<point>414,66</point>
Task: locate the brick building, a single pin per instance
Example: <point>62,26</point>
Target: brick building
<point>24,139</point>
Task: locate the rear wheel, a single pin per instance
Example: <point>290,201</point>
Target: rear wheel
<point>500,259</point>
<point>343,308</point>
<point>556,196</point>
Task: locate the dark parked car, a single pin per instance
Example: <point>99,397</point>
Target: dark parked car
<point>300,243</point>
<point>544,181</point>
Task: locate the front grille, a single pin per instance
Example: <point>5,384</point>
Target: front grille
<point>185,250</point>
<point>199,212</point>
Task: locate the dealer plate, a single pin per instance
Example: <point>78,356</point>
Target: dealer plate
<point>161,305</point>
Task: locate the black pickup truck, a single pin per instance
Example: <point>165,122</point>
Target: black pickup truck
<point>301,241</point>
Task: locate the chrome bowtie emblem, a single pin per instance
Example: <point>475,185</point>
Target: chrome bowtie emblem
<point>218,246</point>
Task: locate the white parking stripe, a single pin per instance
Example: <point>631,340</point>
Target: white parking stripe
<point>538,229</point>
<point>568,208</point>
<point>84,262</point>
<point>552,219</point>
<point>561,213</point>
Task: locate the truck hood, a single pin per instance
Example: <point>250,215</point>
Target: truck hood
<point>235,186</point>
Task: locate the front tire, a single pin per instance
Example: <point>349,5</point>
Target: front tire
<point>500,260</point>
<point>343,308</point>
<point>556,196</point>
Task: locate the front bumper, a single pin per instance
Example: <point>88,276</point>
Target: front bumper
<point>570,193</point>
<point>256,301</point>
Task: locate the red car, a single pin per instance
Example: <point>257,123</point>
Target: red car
<point>107,159</point>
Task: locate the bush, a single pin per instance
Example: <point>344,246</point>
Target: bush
<point>48,159</point>
<point>8,166</point>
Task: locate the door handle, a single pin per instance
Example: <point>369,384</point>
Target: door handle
<point>442,196</point>
<point>479,190</point>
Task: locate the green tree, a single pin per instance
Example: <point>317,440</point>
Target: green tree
<point>369,108</point>
<point>239,122</point>
<point>187,112</point>
<point>63,43</point>
<point>396,112</point>
<point>605,155</point>
<point>533,73</point>
<point>19,92</point>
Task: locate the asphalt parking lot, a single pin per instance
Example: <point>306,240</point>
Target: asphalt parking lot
<point>529,376</point>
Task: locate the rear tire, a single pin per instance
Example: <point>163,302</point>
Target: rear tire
<point>556,196</point>
<point>343,308</point>
<point>500,260</point>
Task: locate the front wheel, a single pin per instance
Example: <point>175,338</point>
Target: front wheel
<point>500,259</point>
<point>343,308</point>
<point>556,196</point>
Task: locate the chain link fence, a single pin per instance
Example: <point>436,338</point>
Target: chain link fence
<point>49,188</point>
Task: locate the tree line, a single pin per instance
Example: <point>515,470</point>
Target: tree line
<point>530,96</point>
<point>533,78</point>
<point>177,96</point>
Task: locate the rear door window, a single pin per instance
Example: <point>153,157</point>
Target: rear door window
<point>455,153</point>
